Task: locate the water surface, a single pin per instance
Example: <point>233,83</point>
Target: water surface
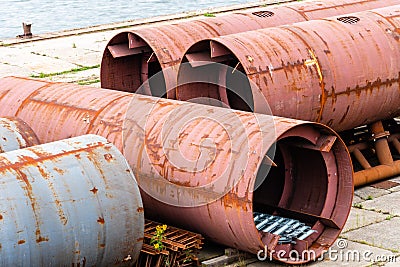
<point>56,15</point>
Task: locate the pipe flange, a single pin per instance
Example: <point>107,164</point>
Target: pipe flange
<point>380,135</point>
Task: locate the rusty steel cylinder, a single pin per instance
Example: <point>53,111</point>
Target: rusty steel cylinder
<point>340,71</point>
<point>73,202</point>
<point>131,57</point>
<point>16,134</point>
<point>205,168</point>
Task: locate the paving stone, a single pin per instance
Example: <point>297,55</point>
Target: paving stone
<point>360,218</point>
<point>385,234</point>
<point>393,262</point>
<point>349,253</point>
<point>385,184</point>
<point>370,192</point>
<point>394,189</point>
<point>32,62</point>
<point>9,69</point>
<point>385,204</point>
<point>395,179</point>
<point>357,199</point>
<point>397,188</point>
<point>76,77</point>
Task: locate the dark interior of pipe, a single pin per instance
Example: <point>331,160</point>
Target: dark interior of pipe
<point>230,81</point>
<point>300,171</point>
<point>238,89</point>
<point>127,68</point>
<point>296,188</point>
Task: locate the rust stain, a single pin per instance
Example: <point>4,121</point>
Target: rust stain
<point>315,62</point>
<point>100,220</point>
<point>140,209</point>
<point>78,156</point>
<point>108,157</point>
<point>20,242</point>
<point>369,86</point>
<point>42,239</point>
<point>94,190</point>
<point>43,173</point>
<point>102,245</point>
<point>60,171</point>
<point>1,217</point>
<point>232,200</point>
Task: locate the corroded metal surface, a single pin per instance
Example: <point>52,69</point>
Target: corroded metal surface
<point>69,203</point>
<point>342,71</point>
<point>15,134</point>
<point>376,151</point>
<point>133,56</point>
<point>205,168</point>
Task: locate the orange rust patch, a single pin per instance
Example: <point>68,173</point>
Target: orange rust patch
<point>1,217</point>
<point>108,157</point>
<point>26,181</point>
<point>44,174</point>
<point>20,242</point>
<point>94,190</point>
<point>42,239</point>
<point>78,156</point>
<point>232,200</point>
<point>100,220</point>
<point>60,171</point>
<point>140,209</point>
<point>102,245</point>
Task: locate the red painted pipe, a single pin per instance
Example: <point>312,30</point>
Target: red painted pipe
<point>162,47</point>
<point>201,167</point>
<point>341,71</point>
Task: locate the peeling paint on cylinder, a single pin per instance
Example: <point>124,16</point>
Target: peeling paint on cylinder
<point>15,134</point>
<point>342,71</point>
<point>131,57</point>
<point>197,165</point>
<point>64,204</point>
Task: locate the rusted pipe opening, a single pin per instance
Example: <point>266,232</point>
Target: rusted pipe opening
<point>202,75</point>
<point>305,193</point>
<point>128,62</point>
<point>292,183</point>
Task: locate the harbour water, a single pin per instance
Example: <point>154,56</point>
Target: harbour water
<point>56,15</point>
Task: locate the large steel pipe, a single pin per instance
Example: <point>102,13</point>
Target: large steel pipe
<point>131,57</point>
<point>15,134</point>
<point>342,71</point>
<point>205,168</point>
<point>69,203</point>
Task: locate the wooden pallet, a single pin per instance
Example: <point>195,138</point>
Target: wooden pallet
<point>180,247</point>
